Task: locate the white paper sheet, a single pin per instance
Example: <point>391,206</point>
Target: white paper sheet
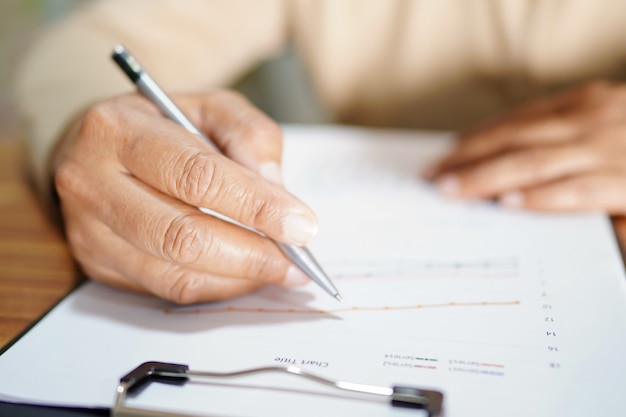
<point>508,313</point>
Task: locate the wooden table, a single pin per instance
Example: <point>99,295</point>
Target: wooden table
<point>36,269</point>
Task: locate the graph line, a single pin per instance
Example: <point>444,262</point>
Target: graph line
<point>354,309</point>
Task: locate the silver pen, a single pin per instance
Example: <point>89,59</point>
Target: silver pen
<point>299,255</point>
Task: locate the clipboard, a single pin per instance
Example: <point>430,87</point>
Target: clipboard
<point>557,312</point>
<point>398,396</point>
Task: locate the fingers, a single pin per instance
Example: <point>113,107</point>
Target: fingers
<point>207,179</point>
<point>99,250</point>
<point>517,170</point>
<point>559,153</point>
<point>144,273</point>
<point>167,280</point>
<point>243,132</point>
<point>182,235</point>
<point>564,177</point>
<point>507,136</point>
<point>178,164</point>
<point>591,192</point>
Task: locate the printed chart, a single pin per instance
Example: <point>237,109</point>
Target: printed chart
<point>499,310</point>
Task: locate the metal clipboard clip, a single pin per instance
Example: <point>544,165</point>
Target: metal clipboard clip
<point>399,396</point>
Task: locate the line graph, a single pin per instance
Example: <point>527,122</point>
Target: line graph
<point>353,309</point>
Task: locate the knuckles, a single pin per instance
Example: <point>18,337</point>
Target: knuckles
<point>67,180</point>
<point>104,123</point>
<point>97,119</point>
<point>261,211</point>
<point>183,242</point>
<point>199,179</point>
<point>72,173</point>
<point>89,145</point>
<point>182,288</point>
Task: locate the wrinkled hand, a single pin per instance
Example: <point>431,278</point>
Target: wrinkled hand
<point>563,153</point>
<point>130,182</point>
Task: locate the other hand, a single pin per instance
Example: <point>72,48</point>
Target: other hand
<point>563,153</point>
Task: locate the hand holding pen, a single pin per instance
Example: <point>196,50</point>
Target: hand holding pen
<point>130,181</point>
<point>298,254</point>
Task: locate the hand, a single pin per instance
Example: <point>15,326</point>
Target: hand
<point>130,183</point>
<point>564,153</point>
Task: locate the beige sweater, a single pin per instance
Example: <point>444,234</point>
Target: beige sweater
<point>410,63</point>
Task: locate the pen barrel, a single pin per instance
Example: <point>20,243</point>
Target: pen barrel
<point>149,88</point>
<point>303,259</point>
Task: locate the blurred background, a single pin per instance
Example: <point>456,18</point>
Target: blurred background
<point>279,87</point>
<point>20,21</point>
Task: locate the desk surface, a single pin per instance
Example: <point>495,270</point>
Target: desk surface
<point>36,269</point>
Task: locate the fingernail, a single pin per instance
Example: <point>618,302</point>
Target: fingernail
<point>513,199</point>
<point>295,277</point>
<point>448,185</point>
<point>271,172</point>
<point>299,229</point>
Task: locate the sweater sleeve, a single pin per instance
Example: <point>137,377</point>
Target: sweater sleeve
<point>186,45</point>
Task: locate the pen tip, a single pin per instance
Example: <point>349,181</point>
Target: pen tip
<point>339,297</point>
